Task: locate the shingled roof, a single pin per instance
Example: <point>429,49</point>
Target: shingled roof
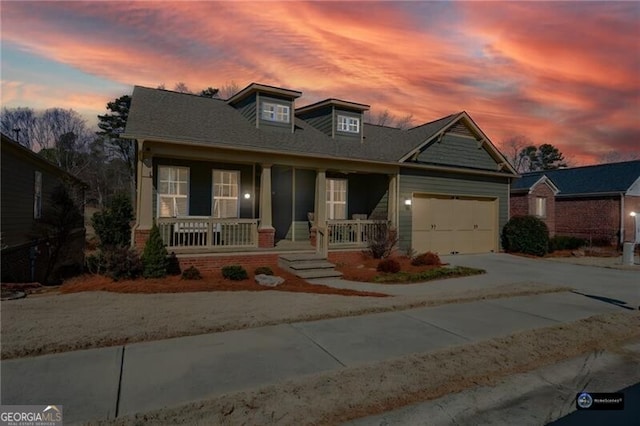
<point>185,118</point>
<point>601,179</point>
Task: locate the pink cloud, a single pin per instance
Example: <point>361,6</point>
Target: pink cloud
<point>562,73</point>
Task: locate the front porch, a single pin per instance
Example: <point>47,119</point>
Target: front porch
<point>206,201</point>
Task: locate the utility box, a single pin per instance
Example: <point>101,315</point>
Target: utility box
<point>627,253</point>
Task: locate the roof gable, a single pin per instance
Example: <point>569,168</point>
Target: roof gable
<point>458,126</point>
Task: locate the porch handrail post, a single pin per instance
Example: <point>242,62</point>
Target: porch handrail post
<point>210,232</point>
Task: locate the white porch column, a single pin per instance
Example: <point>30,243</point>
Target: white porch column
<point>322,242</point>
<point>392,201</point>
<point>144,199</point>
<point>266,231</point>
<point>266,221</point>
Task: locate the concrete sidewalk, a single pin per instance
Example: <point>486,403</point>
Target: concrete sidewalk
<point>109,382</point>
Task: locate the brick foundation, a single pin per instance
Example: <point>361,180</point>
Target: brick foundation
<point>266,237</point>
<point>211,263</point>
<point>140,238</point>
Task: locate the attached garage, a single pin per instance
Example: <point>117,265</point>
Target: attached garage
<point>454,224</point>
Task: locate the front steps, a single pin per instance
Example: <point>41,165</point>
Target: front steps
<point>308,266</point>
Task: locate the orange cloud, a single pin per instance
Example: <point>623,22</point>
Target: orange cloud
<point>562,73</point>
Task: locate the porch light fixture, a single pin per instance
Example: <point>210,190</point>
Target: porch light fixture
<point>247,195</point>
<point>407,202</point>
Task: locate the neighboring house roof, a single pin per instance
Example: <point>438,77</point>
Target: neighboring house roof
<point>8,143</point>
<point>601,179</point>
<point>163,115</point>
<point>529,181</point>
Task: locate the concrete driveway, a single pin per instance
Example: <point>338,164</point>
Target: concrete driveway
<point>619,286</point>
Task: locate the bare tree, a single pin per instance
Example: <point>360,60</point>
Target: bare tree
<point>181,87</point>
<point>227,90</point>
<point>385,118</point>
<point>514,146</point>
<point>405,122</point>
<point>19,123</point>
<point>618,157</point>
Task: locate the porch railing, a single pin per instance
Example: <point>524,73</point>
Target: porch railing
<point>208,232</point>
<point>351,232</point>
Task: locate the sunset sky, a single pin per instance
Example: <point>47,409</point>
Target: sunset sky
<point>565,73</point>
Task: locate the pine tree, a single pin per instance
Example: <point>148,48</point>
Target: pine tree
<point>154,256</point>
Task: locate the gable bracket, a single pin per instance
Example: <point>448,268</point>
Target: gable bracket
<point>481,143</point>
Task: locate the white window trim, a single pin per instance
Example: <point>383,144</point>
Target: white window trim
<point>331,202</point>
<point>174,196</point>
<point>348,124</point>
<point>37,195</point>
<point>213,192</point>
<point>278,113</point>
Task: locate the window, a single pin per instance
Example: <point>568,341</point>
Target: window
<point>348,124</point>
<point>541,207</point>
<point>275,112</point>
<point>37,195</point>
<point>225,193</point>
<point>336,198</point>
<point>173,191</point>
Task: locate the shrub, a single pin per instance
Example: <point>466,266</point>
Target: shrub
<point>234,272</point>
<point>427,258</point>
<point>94,264</point>
<point>526,234</point>
<point>112,224</point>
<point>388,265</point>
<point>560,242</point>
<point>191,273</point>
<point>154,256</point>
<point>381,240</point>
<point>121,263</point>
<point>263,270</point>
<point>173,265</point>
<point>601,242</point>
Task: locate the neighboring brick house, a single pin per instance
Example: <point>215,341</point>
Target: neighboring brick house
<point>590,202</point>
<point>255,176</point>
<point>28,181</point>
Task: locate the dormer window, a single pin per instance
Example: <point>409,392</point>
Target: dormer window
<point>275,112</point>
<point>348,124</point>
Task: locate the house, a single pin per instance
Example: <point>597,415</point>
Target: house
<point>590,202</point>
<point>255,175</point>
<point>28,181</point>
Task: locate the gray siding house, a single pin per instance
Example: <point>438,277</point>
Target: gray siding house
<point>28,181</point>
<point>257,174</point>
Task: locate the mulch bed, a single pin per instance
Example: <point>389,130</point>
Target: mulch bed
<point>213,281</point>
<point>365,269</point>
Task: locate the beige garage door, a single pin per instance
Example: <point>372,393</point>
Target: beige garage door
<point>447,225</point>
